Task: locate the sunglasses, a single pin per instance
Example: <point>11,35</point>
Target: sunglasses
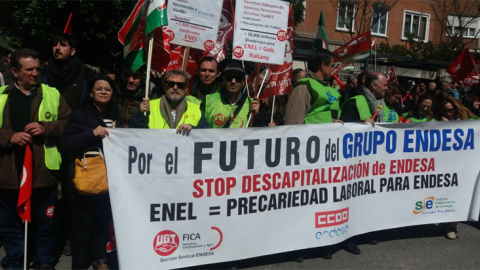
<point>238,78</point>
<point>180,85</point>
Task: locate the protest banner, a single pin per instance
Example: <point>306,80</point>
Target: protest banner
<point>260,31</point>
<point>194,23</point>
<point>223,195</point>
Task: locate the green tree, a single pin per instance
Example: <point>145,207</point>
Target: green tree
<point>94,23</point>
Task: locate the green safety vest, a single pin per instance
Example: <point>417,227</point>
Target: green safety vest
<point>362,106</point>
<point>156,121</point>
<point>413,120</point>
<point>217,113</point>
<point>389,115</point>
<point>193,99</point>
<point>47,112</point>
<point>326,99</point>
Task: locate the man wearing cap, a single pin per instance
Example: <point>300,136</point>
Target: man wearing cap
<point>312,100</point>
<point>230,107</point>
<point>172,110</point>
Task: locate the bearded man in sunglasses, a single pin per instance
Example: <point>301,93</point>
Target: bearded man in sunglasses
<point>230,107</point>
<point>172,110</point>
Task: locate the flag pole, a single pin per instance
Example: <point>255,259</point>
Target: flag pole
<point>258,94</point>
<point>149,66</point>
<point>186,54</point>
<point>25,246</point>
<point>273,108</point>
<point>68,24</point>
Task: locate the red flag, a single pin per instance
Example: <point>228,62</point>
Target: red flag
<point>391,75</point>
<point>280,76</point>
<point>462,66</point>
<point>473,78</point>
<point>356,50</point>
<point>68,26</point>
<point>161,48</point>
<point>25,192</point>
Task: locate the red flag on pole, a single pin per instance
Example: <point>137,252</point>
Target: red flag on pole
<point>68,26</point>
<point>462,66</point>
<point>356,50</point>
<point>391,75</point>
<point>25,192</point>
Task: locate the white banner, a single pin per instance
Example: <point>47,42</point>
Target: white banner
<point>230,194</point>
<point>194,23</point>
<point>260,31</point>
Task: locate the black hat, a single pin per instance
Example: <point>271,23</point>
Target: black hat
<point>234,67</point>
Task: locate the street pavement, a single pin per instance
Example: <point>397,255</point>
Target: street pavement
<point>416,247</point>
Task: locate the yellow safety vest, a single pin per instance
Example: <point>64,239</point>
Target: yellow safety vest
<point>47,112</point>
<point>156,121</point>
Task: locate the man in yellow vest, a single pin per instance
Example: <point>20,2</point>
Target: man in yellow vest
<point>230,107</point>
<point>312,100</point>
<point>172,110</point>
<point>31,114</point>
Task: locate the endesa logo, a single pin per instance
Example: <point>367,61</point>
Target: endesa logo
<point>335,232</point>
<point>165,242</point>
<point>331,218</point>
<point>421,206</point>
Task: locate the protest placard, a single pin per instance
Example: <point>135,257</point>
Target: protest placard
<point>260,31</point>
<point>194,23</point>
<point>223,195</point>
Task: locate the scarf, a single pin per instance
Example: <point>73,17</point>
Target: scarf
<point>165,110</point>
<point>373,103</point>
<point>312,75</point>
<point>62,77</point>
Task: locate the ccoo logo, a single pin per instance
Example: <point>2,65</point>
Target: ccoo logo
<point>165,243</point>
<point>426,204</point>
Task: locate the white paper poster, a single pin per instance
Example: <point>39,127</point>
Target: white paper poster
<point>260,31</point>
<point>193,23</point>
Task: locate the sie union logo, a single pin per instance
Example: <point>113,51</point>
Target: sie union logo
<point>165,242</point>
<point>331,218</point>
<point>426,204</point>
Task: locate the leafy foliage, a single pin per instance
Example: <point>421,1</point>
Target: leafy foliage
<point>32,23</point>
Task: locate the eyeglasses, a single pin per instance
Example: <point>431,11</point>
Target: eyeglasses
<point>180,85</point>
<point>101,89</point>
<point>238,78</point>
<point>427,107</point>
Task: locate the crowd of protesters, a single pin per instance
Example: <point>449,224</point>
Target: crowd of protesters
<point>65,107</point>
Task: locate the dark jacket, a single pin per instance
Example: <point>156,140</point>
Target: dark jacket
<point>78,134</point>
<point>42,176</point>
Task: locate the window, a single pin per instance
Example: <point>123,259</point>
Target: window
<point>345,16</point>
<point>415,26</point>
<point>469,26</point>
<point>381,17</point>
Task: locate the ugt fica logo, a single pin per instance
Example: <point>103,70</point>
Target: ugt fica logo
<point>426,204</point>
<point>165,242</point>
